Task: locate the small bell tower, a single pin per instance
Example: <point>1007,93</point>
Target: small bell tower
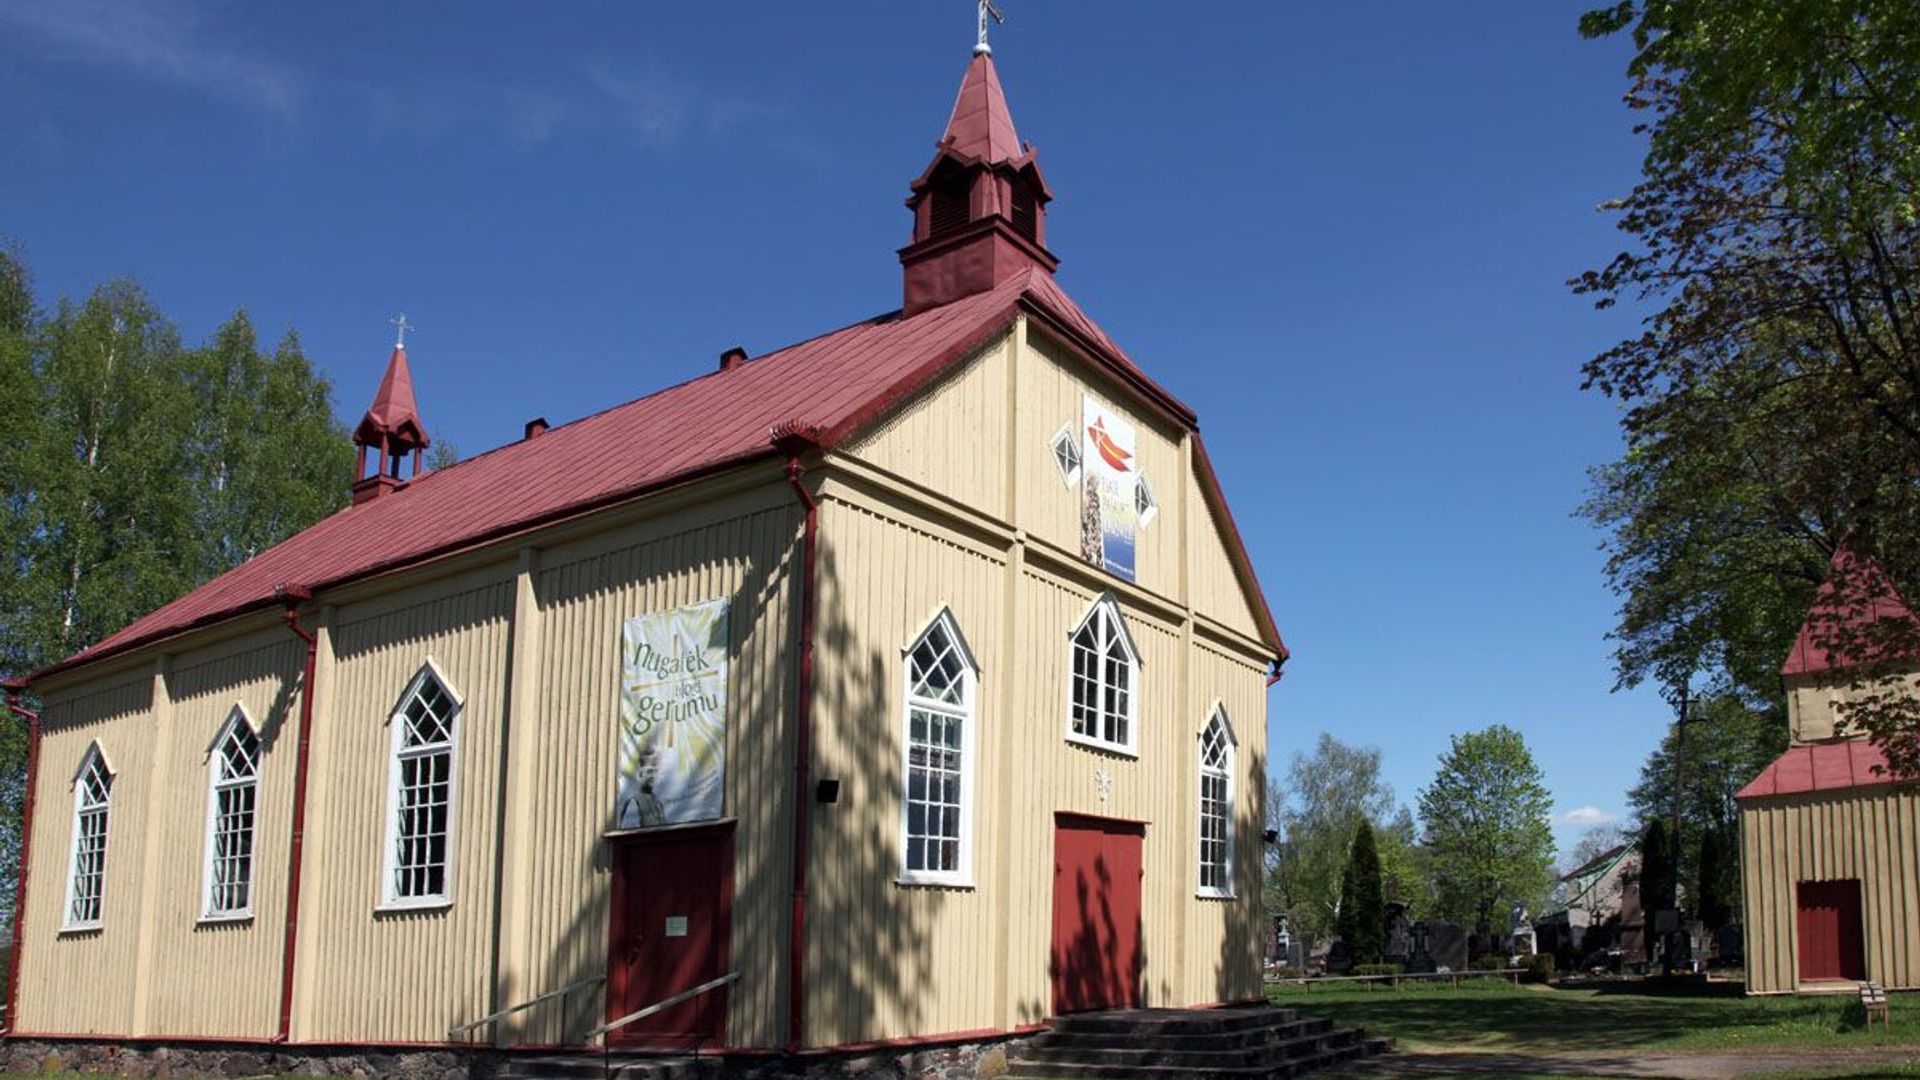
<point>391,429</point>
<point>980,208</point>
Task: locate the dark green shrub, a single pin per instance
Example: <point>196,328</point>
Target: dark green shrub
<point>1379,969</point>
<point>1489,963</point>
<point>1539,968</point>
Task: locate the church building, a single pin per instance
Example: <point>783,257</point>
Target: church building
<point>905,685</point>
<point>1829,844</point>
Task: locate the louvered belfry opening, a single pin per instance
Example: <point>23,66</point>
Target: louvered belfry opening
<point>979,208</point>
<point>950,204</point>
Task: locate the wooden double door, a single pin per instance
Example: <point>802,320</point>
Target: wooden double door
<point>1097,955</point>
<point>671,924</point>
<point>1833,940</point>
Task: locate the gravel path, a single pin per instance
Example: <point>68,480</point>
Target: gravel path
<point>1697,1065</point>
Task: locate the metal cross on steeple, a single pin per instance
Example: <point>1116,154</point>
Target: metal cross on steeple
<point>400,320</point>
<point>988,10</point>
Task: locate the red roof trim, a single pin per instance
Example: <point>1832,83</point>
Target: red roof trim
<point>402,563</point>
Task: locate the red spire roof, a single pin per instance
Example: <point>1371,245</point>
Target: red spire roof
<point>394,413</point>
<point>981,126</point>
<point>1853,616</point>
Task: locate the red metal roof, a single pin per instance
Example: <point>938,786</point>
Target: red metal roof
<point>1848,624</point>
<point>394,413</point>
<point>837,383</point>
<point>981,125</point>
<point>1832,766</point>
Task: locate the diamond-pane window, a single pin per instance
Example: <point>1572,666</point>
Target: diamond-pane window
<point>1104,668</point>
<point>1216,806</point>
<point>1066,454</point>
<point>234,779</point>
<point>87,867</point>
<point>1145,506</point>
<point>939,755</point>
<point>420,813</point>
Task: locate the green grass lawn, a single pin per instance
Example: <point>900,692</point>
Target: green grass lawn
<point>1490,1015</point>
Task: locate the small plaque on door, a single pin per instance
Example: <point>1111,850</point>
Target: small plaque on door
<point>676,926</point>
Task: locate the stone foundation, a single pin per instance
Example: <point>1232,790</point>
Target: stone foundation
<point>980,1060</point>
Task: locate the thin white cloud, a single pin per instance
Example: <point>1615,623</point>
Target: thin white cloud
<point>1587,817</point>
<point>162,40</point>
<point>644,98</point>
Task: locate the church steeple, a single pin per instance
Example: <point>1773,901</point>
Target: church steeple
<point>979,209</point>
<point>391,428</point>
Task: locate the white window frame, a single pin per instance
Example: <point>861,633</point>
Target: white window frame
<point>1218,714</point>
<point>1146,505</point>
<point>216,784</point>
<point>1105,613</point>
<point>1069,476</point>
<point>967,712</point>
<point>95,757</point>
<point>390,898</point>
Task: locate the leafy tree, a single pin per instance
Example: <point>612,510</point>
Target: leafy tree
<point>1327,794</point>
<point>1718,890</point>
<point>1486,825</point>
<point>1773,399</point>
<point>1659,877</point>
<point>136,469</point>
<point>1362,922</point>
<point>1728,744</point>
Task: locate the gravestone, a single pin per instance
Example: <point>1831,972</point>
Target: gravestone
<point>1446,946</point>
<point>1399,935</point>
<point>1520,938</point>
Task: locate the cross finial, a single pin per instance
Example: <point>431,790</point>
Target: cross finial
<point>988,10</point>
<point>400,321</point>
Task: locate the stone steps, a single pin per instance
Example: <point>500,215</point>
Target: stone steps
<point>1247,1043</point>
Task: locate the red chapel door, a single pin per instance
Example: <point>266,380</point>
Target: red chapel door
<point>671,921</point>
<point>1832,939</point>
<point>1096,913</point>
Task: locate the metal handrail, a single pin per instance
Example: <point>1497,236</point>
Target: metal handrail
<point>684,995</point>
<point>454,1033</point>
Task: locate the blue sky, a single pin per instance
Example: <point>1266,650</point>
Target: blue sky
<point>1339,231</point>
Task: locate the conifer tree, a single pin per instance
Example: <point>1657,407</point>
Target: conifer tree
<point>1363,908</point>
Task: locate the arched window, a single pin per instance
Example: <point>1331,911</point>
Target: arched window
<point>233,784</point>
<point>1104,697</point>
<point>941,709</point>
<point>87,867</point>
<point>420,793</point>
<point>1217,748</point>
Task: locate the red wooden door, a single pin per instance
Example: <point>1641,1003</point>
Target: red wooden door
<point>1832,939</point>
<point>672,914</point>
<point>1096,914</point>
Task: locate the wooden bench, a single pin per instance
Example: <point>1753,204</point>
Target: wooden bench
<point>1873,999</point>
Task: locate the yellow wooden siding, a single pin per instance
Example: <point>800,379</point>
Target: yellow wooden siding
<point>1229,928</point>
<point>1815,705</point>
<point>587,592</point>
<point>952,437</point>
<point>1217,589</point>
<point>223,978</point>
<point>401,975</point>
<point>887,960</point>
<point>1051,385</point>
<point>64,991</point>
<point>1872,835</point>
<point>1056,775</point>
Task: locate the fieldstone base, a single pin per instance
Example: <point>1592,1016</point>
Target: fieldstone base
<point>242,1060</point>
<point>981,1060</point>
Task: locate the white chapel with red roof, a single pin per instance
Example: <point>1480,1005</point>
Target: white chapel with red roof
<point>906,686</point>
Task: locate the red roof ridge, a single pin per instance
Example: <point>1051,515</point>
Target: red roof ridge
<point>838,382</point>
<point>1840,765</point>
<point>1850,617</point>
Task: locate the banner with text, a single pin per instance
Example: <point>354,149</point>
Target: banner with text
<point>1109,517</point>
<point>673,716</point>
